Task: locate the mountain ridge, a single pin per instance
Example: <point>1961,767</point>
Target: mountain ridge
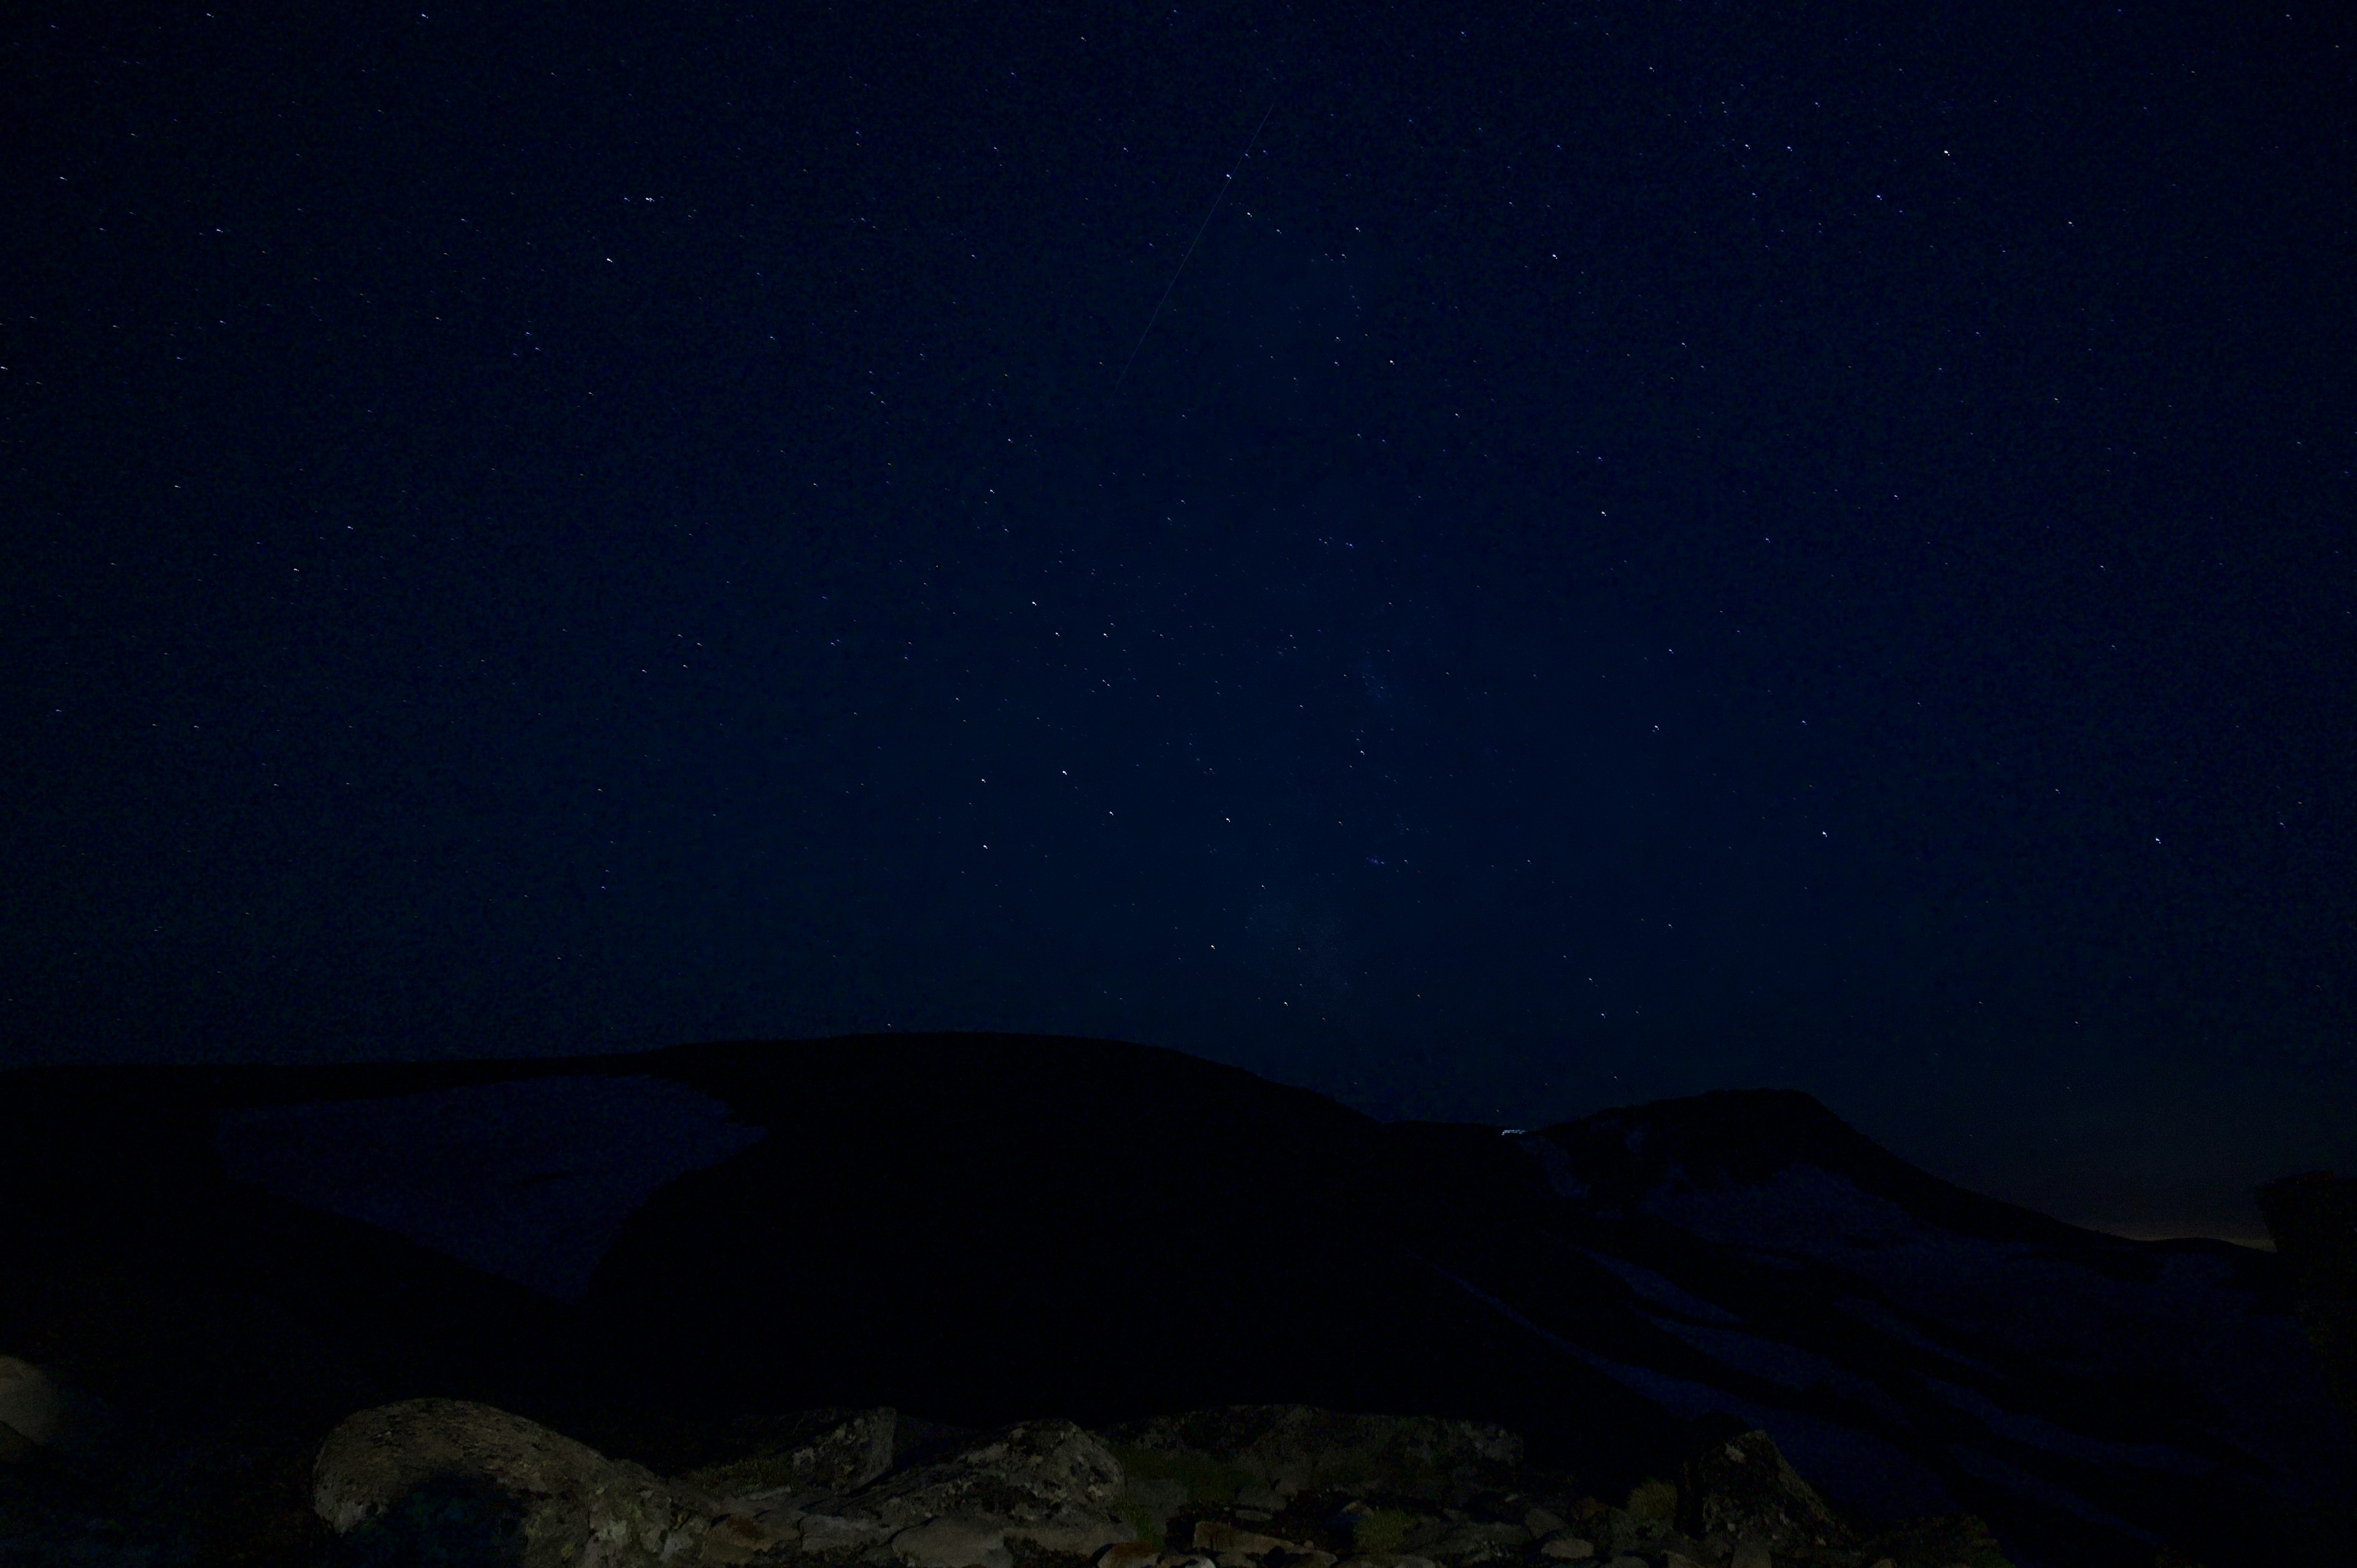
<point>1787,1127</point>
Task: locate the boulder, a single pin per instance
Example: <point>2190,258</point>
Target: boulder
<point>1128,1554</point>
<point>1045,1482</point>
<point>837,1535</point>
<point>1221,1539</point>
<point>1289,1449</point>
<point>738,1539</point>
<point>820,1453</point>
<point>1743,1488</point>
<point>1939,1543</point>
<point>1475,1542</point>
<point>31,1408</point>
<point>569,1506</point>
<point>1642,1534</point>
<point>955,1541</point>
<point>1270,1498</point>
<point>1149,1502</point>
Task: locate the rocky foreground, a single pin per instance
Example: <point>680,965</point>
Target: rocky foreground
<point>1265,1487</point>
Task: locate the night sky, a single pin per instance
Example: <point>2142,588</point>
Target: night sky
<point>1648,548</point>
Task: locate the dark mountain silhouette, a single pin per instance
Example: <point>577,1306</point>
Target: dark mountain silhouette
<point>647,1250</point>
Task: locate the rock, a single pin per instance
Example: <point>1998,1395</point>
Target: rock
<point>781,1525</point>
<point>834,1535</point>
<point>573,1506</point>
<point>1379,1533</point>
<point>373,1459</point>
<point>1475,1543</point>
<point>30,1406</point>
<point>825,1451</point>
<point>15,1447</point>
<point>37,1414</point>
<point>1046,1482</point>
<point>1631,1535</point>
<point>1074,1536</point>
<point>443,1518</point>
<point>1744,1487</point>
<point>1148,1503</point>
<point>1289,1449</point>
<point>956,1541</point>
<point>737,1539</point>
<point>1936,1542</point>
<point>1654,1500</point>
<point>1214,1536</point>
<point>438,1479</point>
